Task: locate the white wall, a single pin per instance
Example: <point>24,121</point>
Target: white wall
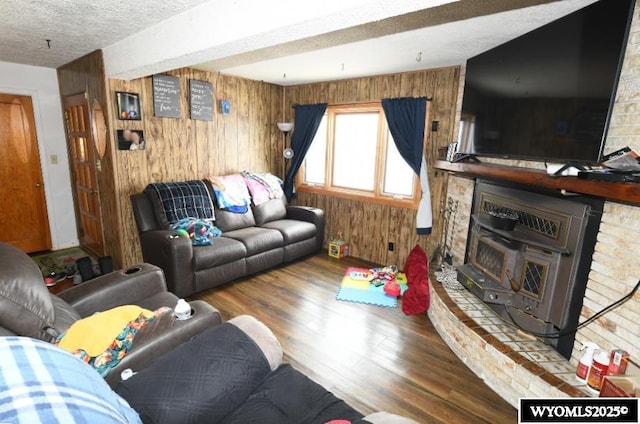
<point>42,85</point>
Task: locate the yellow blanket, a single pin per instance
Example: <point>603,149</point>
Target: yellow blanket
<point>95,334</point>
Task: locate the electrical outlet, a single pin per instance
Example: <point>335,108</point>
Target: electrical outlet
<point>391,246</point>
<point>54,159</point>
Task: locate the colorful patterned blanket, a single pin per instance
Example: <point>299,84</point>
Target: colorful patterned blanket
<point>103,362</point>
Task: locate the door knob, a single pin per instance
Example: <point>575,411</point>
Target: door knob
<point>38,185</point>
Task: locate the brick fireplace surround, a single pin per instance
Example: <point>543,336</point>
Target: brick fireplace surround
<point>515,365</point>
<point>500,359</point>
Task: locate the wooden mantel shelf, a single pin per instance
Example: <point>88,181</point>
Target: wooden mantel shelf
<point>615,191</point>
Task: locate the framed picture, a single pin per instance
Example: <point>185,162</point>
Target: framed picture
<point>128,106</point>
<point>225,107</point>
<point>131,140</point>
<point>201,100</point>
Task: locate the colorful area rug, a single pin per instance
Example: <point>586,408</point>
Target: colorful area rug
<point>59,260</point>
<point>362,291</point>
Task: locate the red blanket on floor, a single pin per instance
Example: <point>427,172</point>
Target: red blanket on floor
<point>416,299</point>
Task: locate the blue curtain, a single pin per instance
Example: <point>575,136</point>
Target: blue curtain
<point>405,118</point>
<point>306,123</point>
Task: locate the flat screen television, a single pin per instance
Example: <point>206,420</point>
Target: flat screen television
<point>548,94</point>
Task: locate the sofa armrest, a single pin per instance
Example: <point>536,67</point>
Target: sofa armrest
<point>163,335</point>
<point>172,253</point>
<point>122,287</point>
<point>312,215</point>
<point>306,213</point>
<point>262,336</point>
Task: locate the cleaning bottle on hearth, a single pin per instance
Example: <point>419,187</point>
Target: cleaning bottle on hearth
<point>585,362</point>
<point>599,368</point>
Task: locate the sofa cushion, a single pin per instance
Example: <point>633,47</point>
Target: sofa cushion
<point>293,231</point>
<point>26,304</point>
<point>40,382</point>
<point>177,200</point>
<point>200,381</point>
<point>288,396</point>
<point>229,221</point>
<point>257,239</point>
<point>269,211</point>
<point>223,251</point>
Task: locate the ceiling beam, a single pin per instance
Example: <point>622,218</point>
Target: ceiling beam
<point>217,30</point>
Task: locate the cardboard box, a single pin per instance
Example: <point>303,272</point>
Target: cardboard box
<point>338,248</point>
<point>620,386</point>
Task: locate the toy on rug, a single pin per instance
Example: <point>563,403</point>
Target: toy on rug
<point>362,290</point>
<point>392,288</point>
<point>358,274</point>
<point>381,276</point>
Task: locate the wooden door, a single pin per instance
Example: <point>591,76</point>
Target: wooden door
<point>82,156</point>
<point>23,210</point>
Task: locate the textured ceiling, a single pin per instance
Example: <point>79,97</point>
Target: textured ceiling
<point>75,27</point>
<point>283,42</point>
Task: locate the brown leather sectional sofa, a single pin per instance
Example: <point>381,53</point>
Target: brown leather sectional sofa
<point>267,235</point>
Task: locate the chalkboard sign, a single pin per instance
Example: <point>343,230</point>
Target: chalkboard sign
<point>201,100</point>
<point>166,96</point>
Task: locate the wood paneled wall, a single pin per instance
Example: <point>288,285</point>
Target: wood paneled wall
<point>183,149</point>
<point>176,149</point>
<point>369,227</point>
<point>248,139</point>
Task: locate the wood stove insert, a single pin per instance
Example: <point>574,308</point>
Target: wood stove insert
<point>535,275</point>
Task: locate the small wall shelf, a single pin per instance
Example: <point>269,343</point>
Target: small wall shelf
<point>615,191</point>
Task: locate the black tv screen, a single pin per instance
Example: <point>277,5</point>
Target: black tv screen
<point>548,94</point>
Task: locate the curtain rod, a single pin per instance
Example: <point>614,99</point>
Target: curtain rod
<point>429,99</point>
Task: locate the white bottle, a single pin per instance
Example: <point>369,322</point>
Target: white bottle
<point>585,362</point>
<point>182,309</point>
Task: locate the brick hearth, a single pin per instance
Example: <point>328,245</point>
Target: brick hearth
<point>511,363</point>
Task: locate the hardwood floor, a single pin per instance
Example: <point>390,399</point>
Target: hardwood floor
<point>374,358</point>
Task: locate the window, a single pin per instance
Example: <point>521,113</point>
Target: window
<point>353,155</point>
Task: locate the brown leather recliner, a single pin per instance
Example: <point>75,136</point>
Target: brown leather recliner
<point>27,308</point>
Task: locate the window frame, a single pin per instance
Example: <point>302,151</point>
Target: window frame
<point>377,195</point>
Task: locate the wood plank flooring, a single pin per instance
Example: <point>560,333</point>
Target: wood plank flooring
<point>374,358</point>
